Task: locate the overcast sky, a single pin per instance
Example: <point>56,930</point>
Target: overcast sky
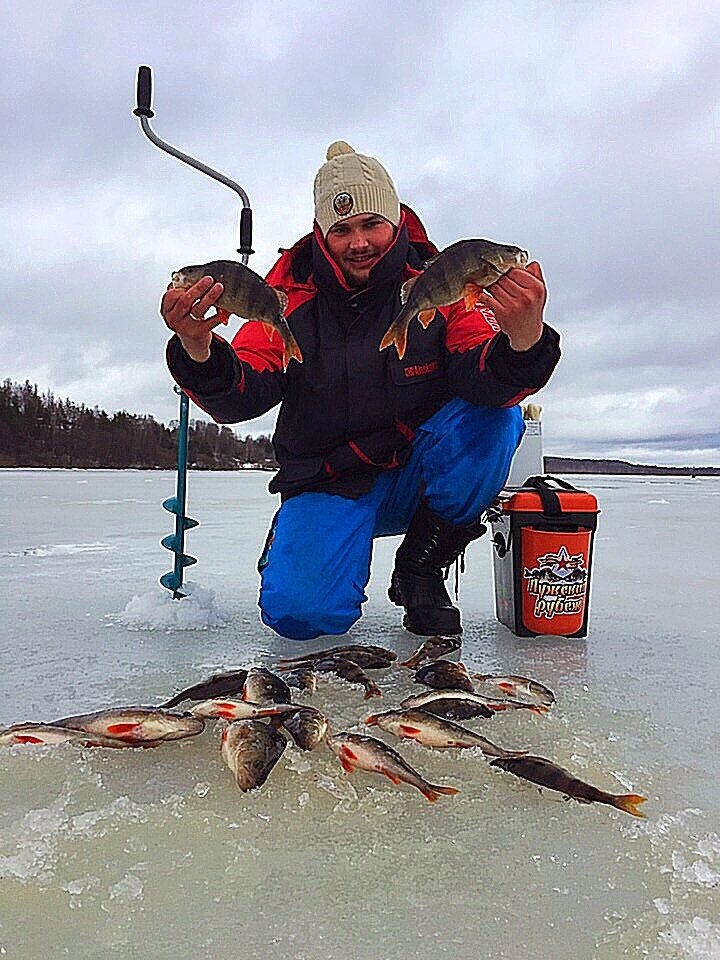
<point>585,132</point>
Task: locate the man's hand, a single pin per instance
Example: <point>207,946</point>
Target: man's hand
<point>518,300</point>
<point>184,313</point>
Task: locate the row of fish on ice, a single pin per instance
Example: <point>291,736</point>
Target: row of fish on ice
<point>256,710</point>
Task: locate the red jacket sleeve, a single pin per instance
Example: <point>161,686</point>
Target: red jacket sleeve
<point>482,366</point>
<point>240,381</point>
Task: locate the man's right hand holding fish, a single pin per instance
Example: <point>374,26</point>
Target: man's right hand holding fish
<point>184,313</point>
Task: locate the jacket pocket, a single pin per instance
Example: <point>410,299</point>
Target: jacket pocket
<point>412,370</point>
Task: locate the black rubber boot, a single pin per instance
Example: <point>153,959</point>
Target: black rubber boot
<point>430,546</point>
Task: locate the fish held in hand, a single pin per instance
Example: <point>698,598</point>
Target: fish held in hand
<point>513,686</point>
<point>545,773</point>
<point>445,675</point>
<point>219,685</point>
<point>367,753</point>
<point>432,649</point>
<point>456,272</point>
<point>307,726</point>
<point>247,295</point>
<point>432,731</point>
<point>136,725</point>
<point>225,708</point>
<point>251,749</point>
<point>261,686</point>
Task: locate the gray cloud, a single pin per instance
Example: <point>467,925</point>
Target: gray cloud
<point>582,132</point>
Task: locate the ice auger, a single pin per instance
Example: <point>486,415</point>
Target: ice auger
<point>175,542</point>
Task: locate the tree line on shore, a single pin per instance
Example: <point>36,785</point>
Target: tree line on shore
<point>38,430</point>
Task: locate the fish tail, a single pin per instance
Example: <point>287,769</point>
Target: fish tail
<point>629,803</point>
<point>412,662</point>
<point>372,690</point>
<point>172,702</point>
<point>372,720</point>
<point>291,350</point>
<point>397,333</point>
<point>433,792</point>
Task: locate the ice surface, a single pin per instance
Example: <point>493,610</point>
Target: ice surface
<point>157,610</point>
<point>155,853</point>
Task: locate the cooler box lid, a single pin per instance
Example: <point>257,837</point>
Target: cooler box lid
<point>528,501</point>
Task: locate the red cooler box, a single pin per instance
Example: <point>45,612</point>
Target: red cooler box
<point>542,557</point>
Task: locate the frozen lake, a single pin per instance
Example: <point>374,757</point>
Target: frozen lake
<point>156,854</point>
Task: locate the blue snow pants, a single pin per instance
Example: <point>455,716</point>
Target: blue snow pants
<point>316,564</point>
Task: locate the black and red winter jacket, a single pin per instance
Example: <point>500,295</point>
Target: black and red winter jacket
<point>349,411</point>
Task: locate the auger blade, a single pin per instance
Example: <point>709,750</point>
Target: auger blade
<point>175,542</point>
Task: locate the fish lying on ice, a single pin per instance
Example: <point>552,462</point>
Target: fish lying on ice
<point>302,678</point>
<point>514,686</point>
<point>307,726</point>
<point>432,731</point>
<point>47,734</point>
<point>364,655</point>
<point>251,749</point>
<point>349,671</point>
<point>455,272</point>
<point>355,750</point>
<point>548,774</point>
<point>262,686</point>
<point>432,649</point>
<point>136,724</point>
<point>226,684</point>
<point>493,704</point>
<point>433,700</point>
<point>444,675</point>
<point>247,295</point>
<point>229,709</point>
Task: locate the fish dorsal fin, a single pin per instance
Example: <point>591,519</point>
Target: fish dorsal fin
<point>283,298</point>
<point>406,288</point>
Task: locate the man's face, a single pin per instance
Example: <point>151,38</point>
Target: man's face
<point>356,245</point>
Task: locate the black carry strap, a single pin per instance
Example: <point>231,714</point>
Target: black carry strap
<point>549,498</point>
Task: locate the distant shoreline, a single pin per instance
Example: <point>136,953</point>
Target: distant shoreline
<point>623,468</point>
<point>552,465</point>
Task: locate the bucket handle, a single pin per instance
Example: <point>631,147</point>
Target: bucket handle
<point>549,498</point>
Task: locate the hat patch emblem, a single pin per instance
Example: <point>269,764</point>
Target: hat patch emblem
<point>343,204</point>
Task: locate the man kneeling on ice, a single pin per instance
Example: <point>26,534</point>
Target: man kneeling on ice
<point>369,443</point>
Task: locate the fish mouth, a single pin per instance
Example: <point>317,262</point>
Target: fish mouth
<point>178,281</point>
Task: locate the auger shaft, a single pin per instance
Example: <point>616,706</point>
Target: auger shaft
<point>176,542</point>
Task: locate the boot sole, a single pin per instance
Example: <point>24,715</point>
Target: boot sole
<point>444,624</point>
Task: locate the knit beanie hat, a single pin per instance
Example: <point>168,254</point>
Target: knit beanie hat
<point>350,183</point>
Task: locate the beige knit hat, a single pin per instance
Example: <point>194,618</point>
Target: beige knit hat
<point>350,183</point>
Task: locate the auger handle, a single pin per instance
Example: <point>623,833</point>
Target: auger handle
<point>144,93</point>
<point>143,112</point>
